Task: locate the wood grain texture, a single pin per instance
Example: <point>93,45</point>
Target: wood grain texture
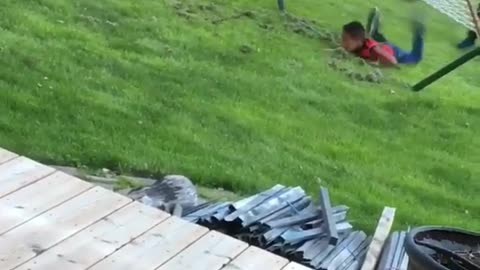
<point>6,155</point>
<point>27,203</point>
<point>42,232</point>
<point>295,266</point>
<point>254,258</point>
<point>155,247</point>
<point>98,240</point>
<point>211,252</point>
<point>20,172</point>
<point>51,220</point>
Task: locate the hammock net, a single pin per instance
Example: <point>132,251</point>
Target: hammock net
<point>462,11</point>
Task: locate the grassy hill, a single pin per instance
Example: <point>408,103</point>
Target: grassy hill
<point>156,87</point>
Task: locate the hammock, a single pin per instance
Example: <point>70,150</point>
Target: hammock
<point>463,12</point>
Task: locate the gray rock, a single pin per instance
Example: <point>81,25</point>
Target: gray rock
<point>172,189</point>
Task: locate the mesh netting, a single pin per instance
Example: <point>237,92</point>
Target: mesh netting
<point>458,10</point>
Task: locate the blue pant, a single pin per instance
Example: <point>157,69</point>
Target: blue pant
<point>409,57</point>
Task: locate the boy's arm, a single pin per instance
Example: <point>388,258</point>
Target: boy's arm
<point>384,57</point>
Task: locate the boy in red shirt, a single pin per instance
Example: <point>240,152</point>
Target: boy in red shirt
<point>377,48</point>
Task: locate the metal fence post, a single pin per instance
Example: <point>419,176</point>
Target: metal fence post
<point>447,69</point>
<point>281,5</point>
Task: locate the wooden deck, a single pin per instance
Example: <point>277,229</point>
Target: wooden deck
<point>50,220</point>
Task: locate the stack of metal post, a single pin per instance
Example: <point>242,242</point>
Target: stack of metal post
<point>394,255</point>
<point>285,221</point>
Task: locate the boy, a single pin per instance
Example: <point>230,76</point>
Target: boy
<point>377,48</point>
<point>469,41</point>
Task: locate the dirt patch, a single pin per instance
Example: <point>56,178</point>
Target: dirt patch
<point>311,29</point>
<point>339,60</point>
<point>244,14</point>
<point>246,49</point>
<point>217,14</point>
<point>209,11</point>
<point>354,68</point>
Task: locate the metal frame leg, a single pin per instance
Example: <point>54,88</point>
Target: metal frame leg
<point>447,69</point>
<point>281,5</point>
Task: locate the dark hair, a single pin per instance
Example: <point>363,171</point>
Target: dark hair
<point>355,29</point>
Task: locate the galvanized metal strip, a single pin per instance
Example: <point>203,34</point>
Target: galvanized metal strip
<point>327,215</point>
<point>356,254</point>
<point>398,250</point>
<point>353,238</point>
<point>295,220</point>
<point>260,198</point>
<point>302,207</point>
<point>317,249</point>
<point>388,252</point>
<point>267,208</point>
<point>275,202</point>
<point>344,254</point>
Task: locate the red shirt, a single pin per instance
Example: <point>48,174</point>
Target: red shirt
<point>366,51</point>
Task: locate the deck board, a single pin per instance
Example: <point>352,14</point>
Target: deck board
<point>50,220</point>
<point>37,235</point>
<point>6,155</point>
<point>32,200</point>
<point>99,240</point>
<point>211,252</point>
<point>295,266</point>
<point>254,258</point>
<point>20,172</point>
<point>155,247</point>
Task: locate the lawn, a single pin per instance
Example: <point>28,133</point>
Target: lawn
<point>153,87</point>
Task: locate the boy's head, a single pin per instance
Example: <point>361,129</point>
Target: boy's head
<point>353,36</point>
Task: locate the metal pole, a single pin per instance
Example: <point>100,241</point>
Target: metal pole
<point>447,69</point>
<point>281,5</point>
<point>474,16</point>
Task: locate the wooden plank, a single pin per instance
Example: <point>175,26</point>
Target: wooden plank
<point>155,247</point>
<point>26,203</point>
<point>20,172</point>
<point>254,258</point>
<point>6,155</point>
<point>211,252</point>
<point>99,240</point>
<point>381,234</point>
<point>295,266</point>
<point>39,234</point>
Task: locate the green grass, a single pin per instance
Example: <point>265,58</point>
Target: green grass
<point>133,86</point>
